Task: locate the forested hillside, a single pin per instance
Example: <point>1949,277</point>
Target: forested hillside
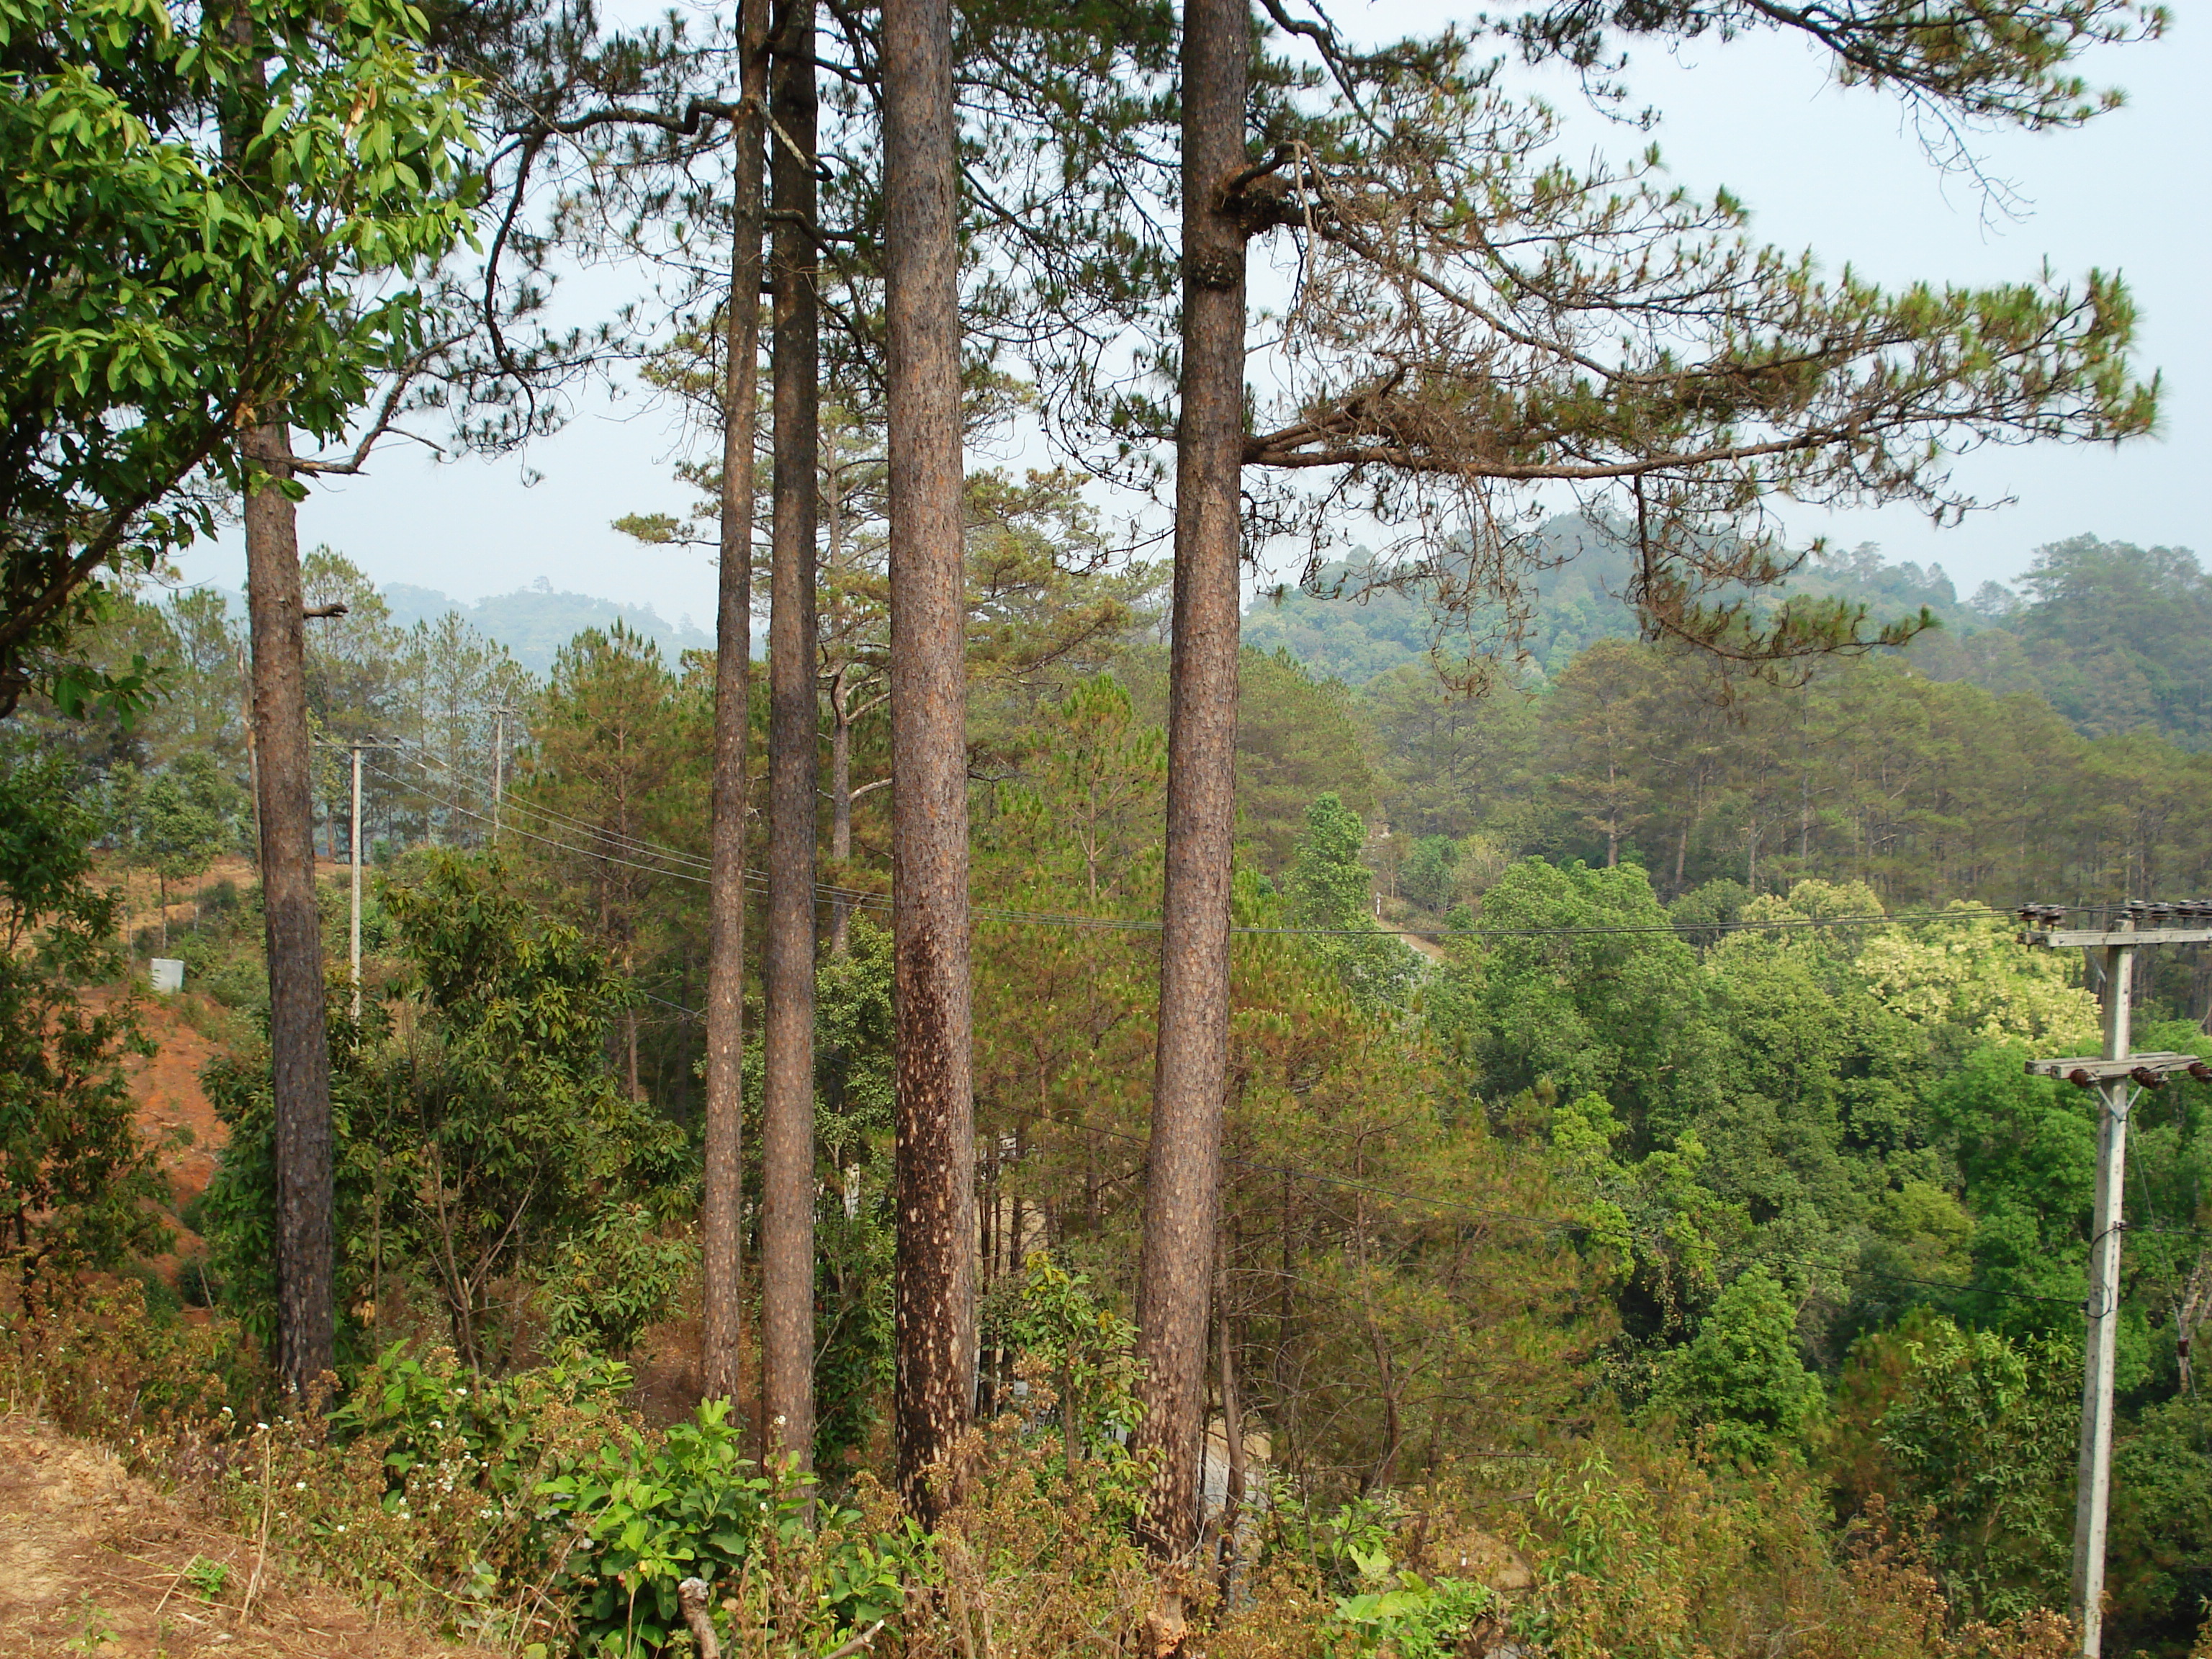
<point>1348,623</point>
<point>1531,1097</point>
<point>1678,1130</point>
<point>2112,635</point>
<point>1870,771</point>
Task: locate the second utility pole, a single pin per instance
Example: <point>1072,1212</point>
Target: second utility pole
<point>354,847</point>
<point>2115,1075</point>
<point>2093,1488</point>
<point>498,766</point>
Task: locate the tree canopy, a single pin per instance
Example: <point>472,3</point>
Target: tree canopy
<point>194,243</point>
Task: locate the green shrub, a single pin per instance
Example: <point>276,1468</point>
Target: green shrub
<point>163,1303</point>
<point>93,1360</point>
<point>649,1512</point>
<point>79,1185</point>
<point>1740,1379</point>
<point>1427,877</point>
<point>1333,1545</point>
<point>197,1284</point>
<point>2161,1569</point>
<point>426,1408</point>
<point>1982,1437</point>
<point>1411,1617</point>
<point>614,1277</point>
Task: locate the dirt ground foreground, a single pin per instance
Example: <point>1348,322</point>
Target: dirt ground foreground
<point>93,1560</point>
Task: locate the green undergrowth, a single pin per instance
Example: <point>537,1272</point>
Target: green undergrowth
<point>535,1513</point>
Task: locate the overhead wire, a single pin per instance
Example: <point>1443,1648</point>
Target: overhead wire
<point>549,841</point>
<point>861,899</point>
<point>692,1014</point>
<point>1556,1224</point>
<point>552,816</point>
<point>865,899</point>
<point>870,899</point>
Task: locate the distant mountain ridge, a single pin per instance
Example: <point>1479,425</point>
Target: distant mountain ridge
<point>1356,639</point>
<point>2117,638</point>
<point>534,623</point>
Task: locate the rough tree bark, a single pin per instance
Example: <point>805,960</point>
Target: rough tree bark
<point>788,1037</point>
<point>1182,1165</point>
<point>298,1057</point>
<point>935,1111</point>
<point>841,807</point>
<point>846,711</point>
<point>720,1213</point>
<point>837,693</point>
<point>1224,1529</point>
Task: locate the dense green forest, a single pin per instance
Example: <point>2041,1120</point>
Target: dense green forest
<point>1670,1126</point>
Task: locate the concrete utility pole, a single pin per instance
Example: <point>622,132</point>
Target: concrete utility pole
<point>499,765</point>
<point>2116,1075</point>
<point>354,848</point>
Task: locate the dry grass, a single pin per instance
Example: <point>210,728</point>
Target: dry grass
<point>93,1559</point>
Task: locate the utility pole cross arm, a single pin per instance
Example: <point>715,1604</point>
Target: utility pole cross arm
<point>2096,1068</point>
<point>2067,938</point>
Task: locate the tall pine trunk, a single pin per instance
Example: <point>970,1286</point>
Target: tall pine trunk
<point>1182,1166</point>
<point>935,1111</point>
<point>787,1040</point>
<point>299,1059</point>
<point>1232,1419</point>
<point>840,807</point>
<point>721,1206</point>
<point>839,686</point>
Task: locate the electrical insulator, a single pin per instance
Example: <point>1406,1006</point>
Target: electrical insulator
<point>2148,1079</point>
<point>2080,1078</point>
<point>2200,1071</point>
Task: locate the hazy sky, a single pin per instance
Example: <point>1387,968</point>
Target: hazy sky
<point>1840,173</point>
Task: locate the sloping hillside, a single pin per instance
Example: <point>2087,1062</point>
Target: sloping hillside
<point>94,1560</point>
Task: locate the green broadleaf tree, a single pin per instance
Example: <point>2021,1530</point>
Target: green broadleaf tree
<point>195,242</point>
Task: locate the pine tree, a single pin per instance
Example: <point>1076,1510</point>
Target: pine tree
<point>936,1152</point>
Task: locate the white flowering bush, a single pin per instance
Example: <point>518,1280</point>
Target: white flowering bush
<point>1972,974</point>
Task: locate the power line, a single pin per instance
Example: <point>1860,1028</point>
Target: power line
<point>1067,918</point>
<point>863,899</point>
<point>564,821</point>
<point>559,819</point>
<point>1555,1224</point>
<point>758,881</point>
<point>868,899</point>
<point>689,1013</point>
<point>549,841</point>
